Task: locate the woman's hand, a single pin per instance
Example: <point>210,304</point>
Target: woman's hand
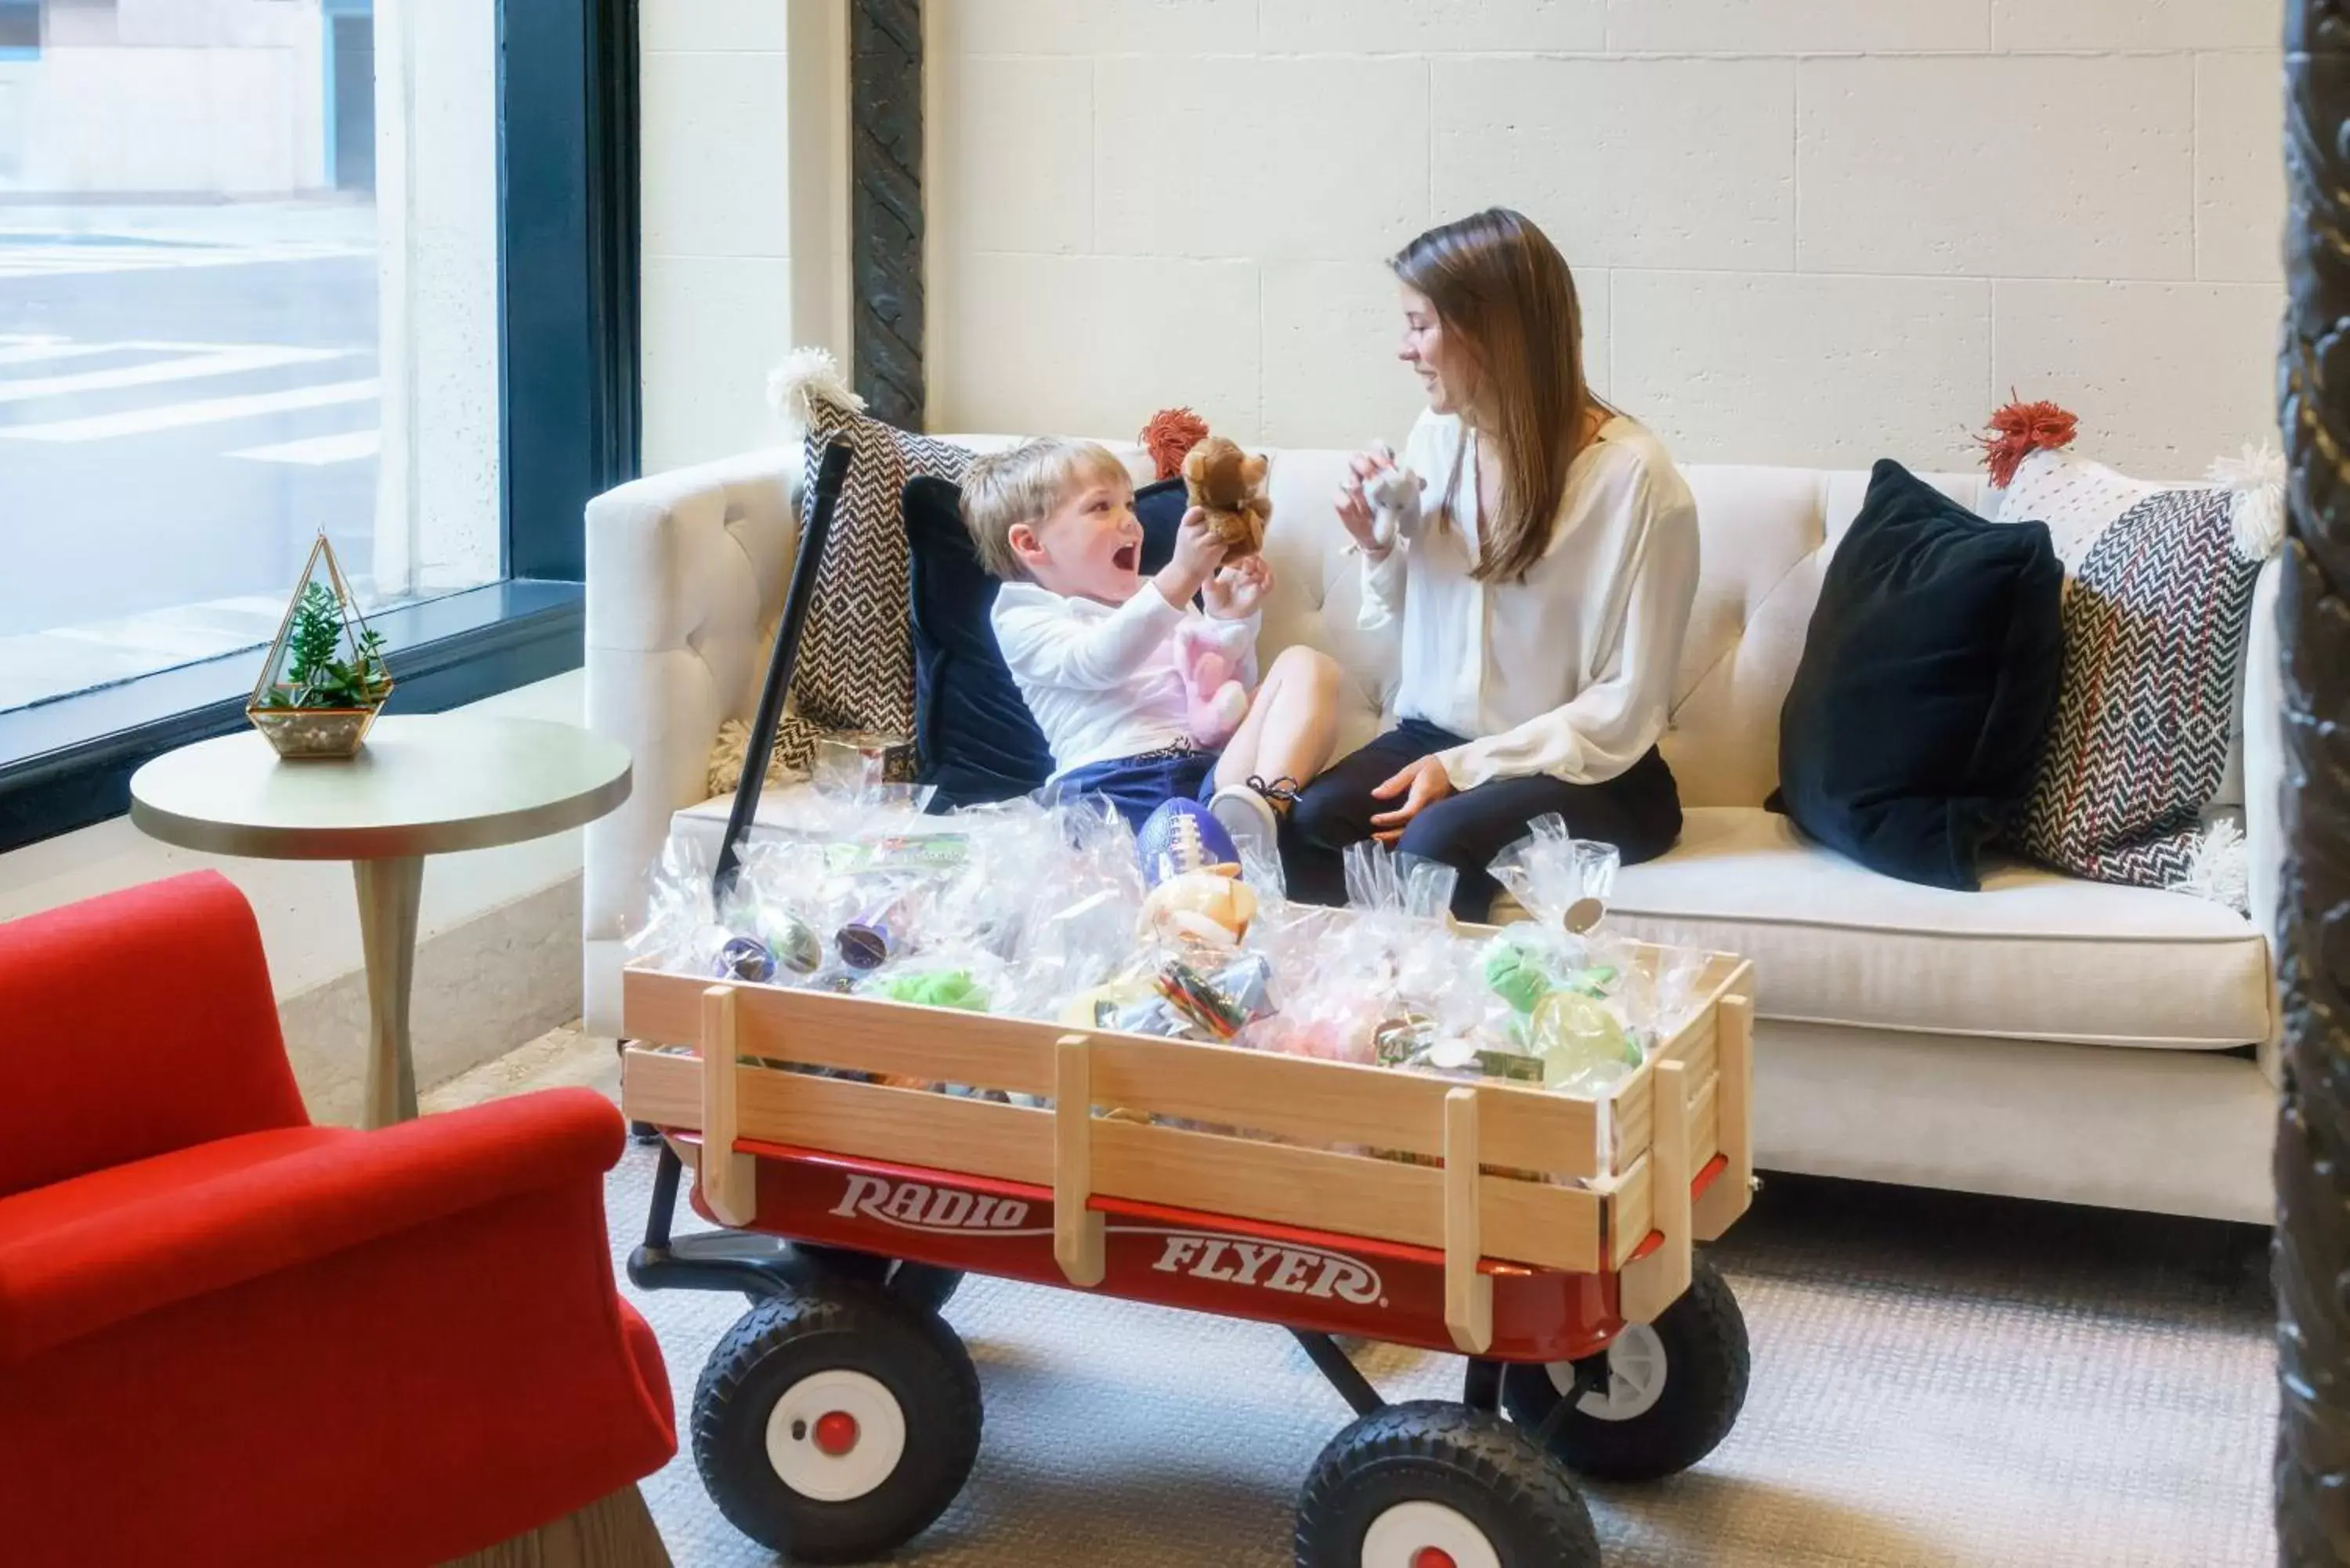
<point>1354,507</point>
<point>1421,785</point>
<point>1237,591</point>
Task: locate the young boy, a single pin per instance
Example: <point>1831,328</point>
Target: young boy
<point>1090,642</point>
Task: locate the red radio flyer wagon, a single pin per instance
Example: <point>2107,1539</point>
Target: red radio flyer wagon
<point>1545,1236</point>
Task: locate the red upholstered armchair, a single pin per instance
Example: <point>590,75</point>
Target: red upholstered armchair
<point>230,1337</point>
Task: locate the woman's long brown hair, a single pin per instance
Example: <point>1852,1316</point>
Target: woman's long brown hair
<point>1503,292</point>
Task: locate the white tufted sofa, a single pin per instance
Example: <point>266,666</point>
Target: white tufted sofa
<point>2045,1037</point>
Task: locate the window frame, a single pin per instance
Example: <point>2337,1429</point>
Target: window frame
<point>568,290</point>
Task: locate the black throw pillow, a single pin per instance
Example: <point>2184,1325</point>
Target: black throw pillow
<point>1927,686</point>
<point>975,735</point>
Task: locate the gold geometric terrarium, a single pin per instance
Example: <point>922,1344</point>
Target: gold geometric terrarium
<point>324,681</point>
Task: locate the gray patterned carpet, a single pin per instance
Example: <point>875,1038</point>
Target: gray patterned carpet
<point>1937,1381</point>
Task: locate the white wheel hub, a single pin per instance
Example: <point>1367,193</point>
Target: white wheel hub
<point>1636,1377</point>
<point>1426,1536</point>
<point>835,1435</point>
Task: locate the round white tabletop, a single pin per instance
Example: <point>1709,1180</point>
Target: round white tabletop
<point>423,785</point>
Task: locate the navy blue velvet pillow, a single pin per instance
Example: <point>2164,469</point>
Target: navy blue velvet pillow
<point>1926,687</point>
<point>973,733</point>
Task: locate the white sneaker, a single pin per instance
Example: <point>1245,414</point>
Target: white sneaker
<point>1249,818</point>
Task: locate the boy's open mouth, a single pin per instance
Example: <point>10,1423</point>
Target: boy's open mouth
<point>1123,558</point>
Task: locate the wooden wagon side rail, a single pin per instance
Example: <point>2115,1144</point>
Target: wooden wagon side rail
<point>1478,1179</point>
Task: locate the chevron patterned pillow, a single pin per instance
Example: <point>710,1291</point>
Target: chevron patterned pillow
<point>855,669</point>
<point>2158,600</point>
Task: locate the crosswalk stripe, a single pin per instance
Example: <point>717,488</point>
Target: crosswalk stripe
<point>173,416</point>
<point>348,447</point>
<point>40,260</point>
<point>32,353</point>
<point>226,363</point>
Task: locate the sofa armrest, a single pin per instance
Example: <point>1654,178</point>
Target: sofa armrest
<point>2264,777</point>
<point>88,1254</point>
<point>686,575</point>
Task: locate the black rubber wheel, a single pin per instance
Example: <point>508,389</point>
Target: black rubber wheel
<point>1655,1402</point>
<point>925,1285</point>
<point>835,1423</point>
<point>1410,1478</point>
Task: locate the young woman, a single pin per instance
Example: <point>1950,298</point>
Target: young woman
<point>1542,577</point>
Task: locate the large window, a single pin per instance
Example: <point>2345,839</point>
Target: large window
<point>270,268</point>
<point>20,29</point>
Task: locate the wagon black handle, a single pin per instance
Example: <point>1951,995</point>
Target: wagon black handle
<point>832,473</point>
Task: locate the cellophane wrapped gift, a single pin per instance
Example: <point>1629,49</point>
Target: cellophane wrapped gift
<point>1583,1007</point>
<point>1033,909</point>
<point>1376,982</point>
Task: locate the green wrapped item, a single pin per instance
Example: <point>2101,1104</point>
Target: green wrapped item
<point>1517,975</point>
<point>793,942</point>
<point>1594,981</point>
<point>1580,1041</point>
<point>941,988</point>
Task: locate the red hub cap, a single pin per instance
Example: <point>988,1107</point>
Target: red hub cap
<point>1432,1557</point>
<point>836,1434</point>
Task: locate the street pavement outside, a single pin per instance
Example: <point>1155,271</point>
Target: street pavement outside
<point>188,395</point>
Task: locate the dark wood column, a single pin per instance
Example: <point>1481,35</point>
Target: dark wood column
<point>885,206</point>
<point>2313,1154</point>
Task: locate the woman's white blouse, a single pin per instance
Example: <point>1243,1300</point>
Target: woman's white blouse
<point>1571,671</point>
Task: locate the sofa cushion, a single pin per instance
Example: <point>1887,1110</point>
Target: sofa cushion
<point>1923,700</point>
<point>855,670</point>
<point>2035,954</point>
<point>2157,603</point>
<point>976,738</point>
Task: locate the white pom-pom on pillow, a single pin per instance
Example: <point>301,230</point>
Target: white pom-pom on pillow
<point>807,377</point>
<point>2221,868</point>
<point>2256,513</point>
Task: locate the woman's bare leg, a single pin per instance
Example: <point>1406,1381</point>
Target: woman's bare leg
<point>1291,726</point>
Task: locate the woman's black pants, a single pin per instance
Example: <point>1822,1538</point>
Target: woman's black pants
<point>1638,811</point>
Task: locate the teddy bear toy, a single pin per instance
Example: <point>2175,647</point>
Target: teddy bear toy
<point>1228,485</point>
<point>1214,699</point>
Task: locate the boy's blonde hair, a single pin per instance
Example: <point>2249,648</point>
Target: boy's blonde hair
<point>1023,484</point>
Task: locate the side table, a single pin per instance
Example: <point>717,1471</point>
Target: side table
<point>429,784</point>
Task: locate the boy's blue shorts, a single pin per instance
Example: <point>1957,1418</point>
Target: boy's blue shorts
<point>1140,785</point>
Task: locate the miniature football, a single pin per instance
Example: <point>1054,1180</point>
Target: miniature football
<point>1181,837</point>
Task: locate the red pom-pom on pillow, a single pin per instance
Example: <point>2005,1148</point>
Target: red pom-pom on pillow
<point>1171,433</point>
<point>2018,430</point>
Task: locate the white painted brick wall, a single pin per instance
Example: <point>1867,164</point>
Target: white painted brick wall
<point>716,245</point>
<point>1806,230</point>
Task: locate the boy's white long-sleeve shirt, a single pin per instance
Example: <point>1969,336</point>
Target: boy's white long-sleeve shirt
<point>1570,673</point>
<point>1101,680</point>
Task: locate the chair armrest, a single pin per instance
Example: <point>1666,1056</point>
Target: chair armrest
<point>102,1249</point>
<point>686,575</point>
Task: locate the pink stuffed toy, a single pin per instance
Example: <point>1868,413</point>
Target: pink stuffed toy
<point>1215,700</point>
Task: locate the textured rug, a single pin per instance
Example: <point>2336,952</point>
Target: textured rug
<point>1937,1380</point>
